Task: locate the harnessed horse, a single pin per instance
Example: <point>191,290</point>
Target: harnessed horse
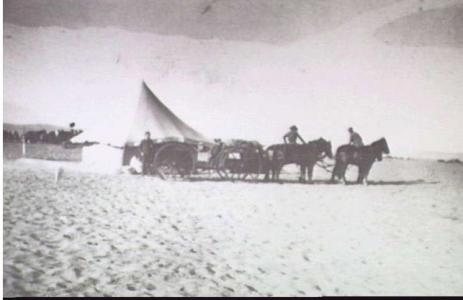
<point>305,155</point>
<point>363,157</point>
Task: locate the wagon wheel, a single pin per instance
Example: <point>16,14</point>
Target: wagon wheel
<point>174,161</point>
<point>230,168</point>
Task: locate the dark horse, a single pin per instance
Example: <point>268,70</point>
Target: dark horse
<point>305,155</point>
<point>363,157</point>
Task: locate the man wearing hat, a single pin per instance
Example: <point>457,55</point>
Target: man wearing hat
<point>146,151</point>
<point>355,139</point>
<point>216,149</point>
<point>292,136</point>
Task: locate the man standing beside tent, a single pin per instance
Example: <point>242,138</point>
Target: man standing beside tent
<point>147,151</point>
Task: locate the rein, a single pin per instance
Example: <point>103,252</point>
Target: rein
<point>320,163</point>
<point>324,166</point>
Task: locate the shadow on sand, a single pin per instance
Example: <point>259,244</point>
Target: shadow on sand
<point>402,182</point>
<point>314,182</point>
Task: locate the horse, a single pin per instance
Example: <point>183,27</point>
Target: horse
<point>363,157</point>
<point>305,155</point>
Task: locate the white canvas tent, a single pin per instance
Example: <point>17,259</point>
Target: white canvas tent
<point>150,115</point>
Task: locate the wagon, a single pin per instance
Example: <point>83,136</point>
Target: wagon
<point>239,160</point>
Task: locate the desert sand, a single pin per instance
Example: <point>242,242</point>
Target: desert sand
<point>95,234</point>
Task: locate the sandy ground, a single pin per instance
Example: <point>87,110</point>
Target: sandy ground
<point>122,235</point>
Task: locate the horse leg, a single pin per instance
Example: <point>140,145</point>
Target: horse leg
<point>365,180</point>
<point>310,172</point>
<point>334,174</point>
<point>366,172</point>
<point>278,171</point>
<point>360,174</point>
<point>273,167</point>
<point>267,172</point>
<point>342,173</point>
<point>302,175</point>
<point>274,172</point>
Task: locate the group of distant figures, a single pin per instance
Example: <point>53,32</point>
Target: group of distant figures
<point>306,155</point>
<point>40,136</point>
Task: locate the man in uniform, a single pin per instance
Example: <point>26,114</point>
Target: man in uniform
<point>147,151</point>
<point>355,139</point>
<point>292,136</point>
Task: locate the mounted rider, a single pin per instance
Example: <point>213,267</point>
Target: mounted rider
<point>292,136</point>
<point>354,138</point>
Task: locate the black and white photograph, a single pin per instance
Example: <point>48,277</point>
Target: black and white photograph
<point>232,148</point>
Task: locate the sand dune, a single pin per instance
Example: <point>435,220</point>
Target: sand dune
<point>121,235</point>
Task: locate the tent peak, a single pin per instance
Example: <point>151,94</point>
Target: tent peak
<point>154,116</point>
<point>150,115</point>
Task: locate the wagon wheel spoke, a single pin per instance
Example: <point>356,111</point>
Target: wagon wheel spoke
<point>168,170</point>
<point>223,167</point>
<point>174,161</point>
<point>224,172</point>
<point>185,165</point>
<point>241,172</point>
<point>230,168</point>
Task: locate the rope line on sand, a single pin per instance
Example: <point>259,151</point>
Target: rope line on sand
<point>324,166</point>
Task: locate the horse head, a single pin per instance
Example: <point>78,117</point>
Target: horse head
<point>385,147</point>
<point>325,147</point>
<point>379,156</point>
<point>328,149</point>
<point>380,147</point>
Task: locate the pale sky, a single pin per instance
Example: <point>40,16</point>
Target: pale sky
<point>244,69</point>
